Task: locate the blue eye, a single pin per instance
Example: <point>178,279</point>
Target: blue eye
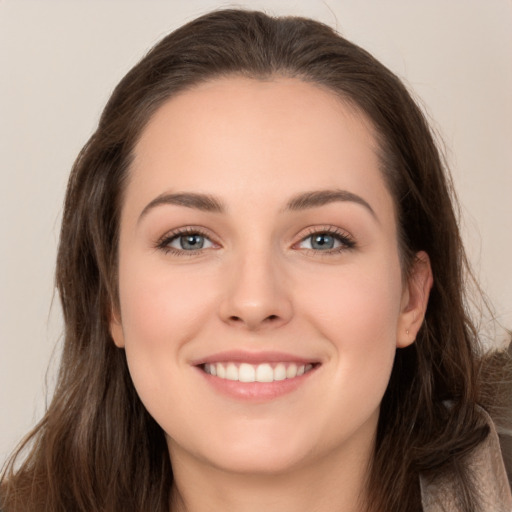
<point>189,242</point>
<point>183,242</point>
<point>323,241</point>
<point>327,242</point>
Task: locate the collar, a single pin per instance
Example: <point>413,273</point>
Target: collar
<point>487,472</point>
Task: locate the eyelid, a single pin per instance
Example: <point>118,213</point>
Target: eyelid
<point>344,237</point>
<point>163,242</point>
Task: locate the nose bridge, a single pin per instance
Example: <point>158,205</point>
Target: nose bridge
<point>257,294</point>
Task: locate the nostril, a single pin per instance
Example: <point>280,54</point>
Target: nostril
<point>238,319</point>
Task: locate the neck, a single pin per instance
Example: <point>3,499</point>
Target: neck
<point>336,482</point>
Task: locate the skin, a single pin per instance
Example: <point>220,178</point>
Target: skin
<point>259,285</point>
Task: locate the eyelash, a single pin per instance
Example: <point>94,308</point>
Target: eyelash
<point>346,241</point>
<point>163,243</point>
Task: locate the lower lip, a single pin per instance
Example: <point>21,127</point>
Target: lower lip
<point>256,391</point>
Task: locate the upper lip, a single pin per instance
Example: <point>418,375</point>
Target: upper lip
<point>240,356</point>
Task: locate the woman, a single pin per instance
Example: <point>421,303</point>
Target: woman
<point>262,282</point>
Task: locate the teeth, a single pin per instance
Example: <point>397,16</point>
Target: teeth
<point>280,372</point>
<point>232,372</point>
<point>291,371</point>
<point>265,372</point>
<point>246,373</point>
<point>221,370</point>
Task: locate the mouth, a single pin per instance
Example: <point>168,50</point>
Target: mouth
<point>266,372</point>
<point>258,377</point>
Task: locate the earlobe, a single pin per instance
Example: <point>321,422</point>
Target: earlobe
<point>414,300</point>
<point>116,329</point>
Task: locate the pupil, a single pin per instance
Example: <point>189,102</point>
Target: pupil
<point>323,242</point>
<point>192,242</point>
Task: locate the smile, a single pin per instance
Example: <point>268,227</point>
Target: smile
<point>264,372</point>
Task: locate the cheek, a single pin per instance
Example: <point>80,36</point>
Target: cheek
<point>356,304</point>
<point>358,311</point>
<point>159,306</point>
<point>161,312</point>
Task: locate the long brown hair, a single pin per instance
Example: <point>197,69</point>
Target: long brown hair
<point>97,448</point>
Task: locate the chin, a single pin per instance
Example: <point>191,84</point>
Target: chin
<point>271,461</point>
<point>254,451</point>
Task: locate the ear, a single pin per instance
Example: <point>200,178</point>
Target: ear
<point>116,328</point>
<point>414,300</point>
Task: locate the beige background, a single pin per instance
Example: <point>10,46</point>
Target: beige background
<point>60,60</point>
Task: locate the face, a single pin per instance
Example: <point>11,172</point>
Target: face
<point>261,294</point>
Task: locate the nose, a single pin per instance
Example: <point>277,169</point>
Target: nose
<point>256,295</point>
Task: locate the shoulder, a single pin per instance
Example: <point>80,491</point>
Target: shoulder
<point>486,468</point>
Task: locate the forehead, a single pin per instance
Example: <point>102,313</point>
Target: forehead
<point>257,139</point>
<point>280,107</point>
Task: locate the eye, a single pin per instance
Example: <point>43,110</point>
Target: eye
<point>190,242</point>
<point>327,241</point>
<point>185,241</point>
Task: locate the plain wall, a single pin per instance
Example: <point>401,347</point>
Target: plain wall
<point>61,59</point>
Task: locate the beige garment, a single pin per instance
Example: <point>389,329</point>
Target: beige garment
<point>488,473</point>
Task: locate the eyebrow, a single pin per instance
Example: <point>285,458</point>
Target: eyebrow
<point>203,202</point>
<point>318,198</point>
<point>303,201</point>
